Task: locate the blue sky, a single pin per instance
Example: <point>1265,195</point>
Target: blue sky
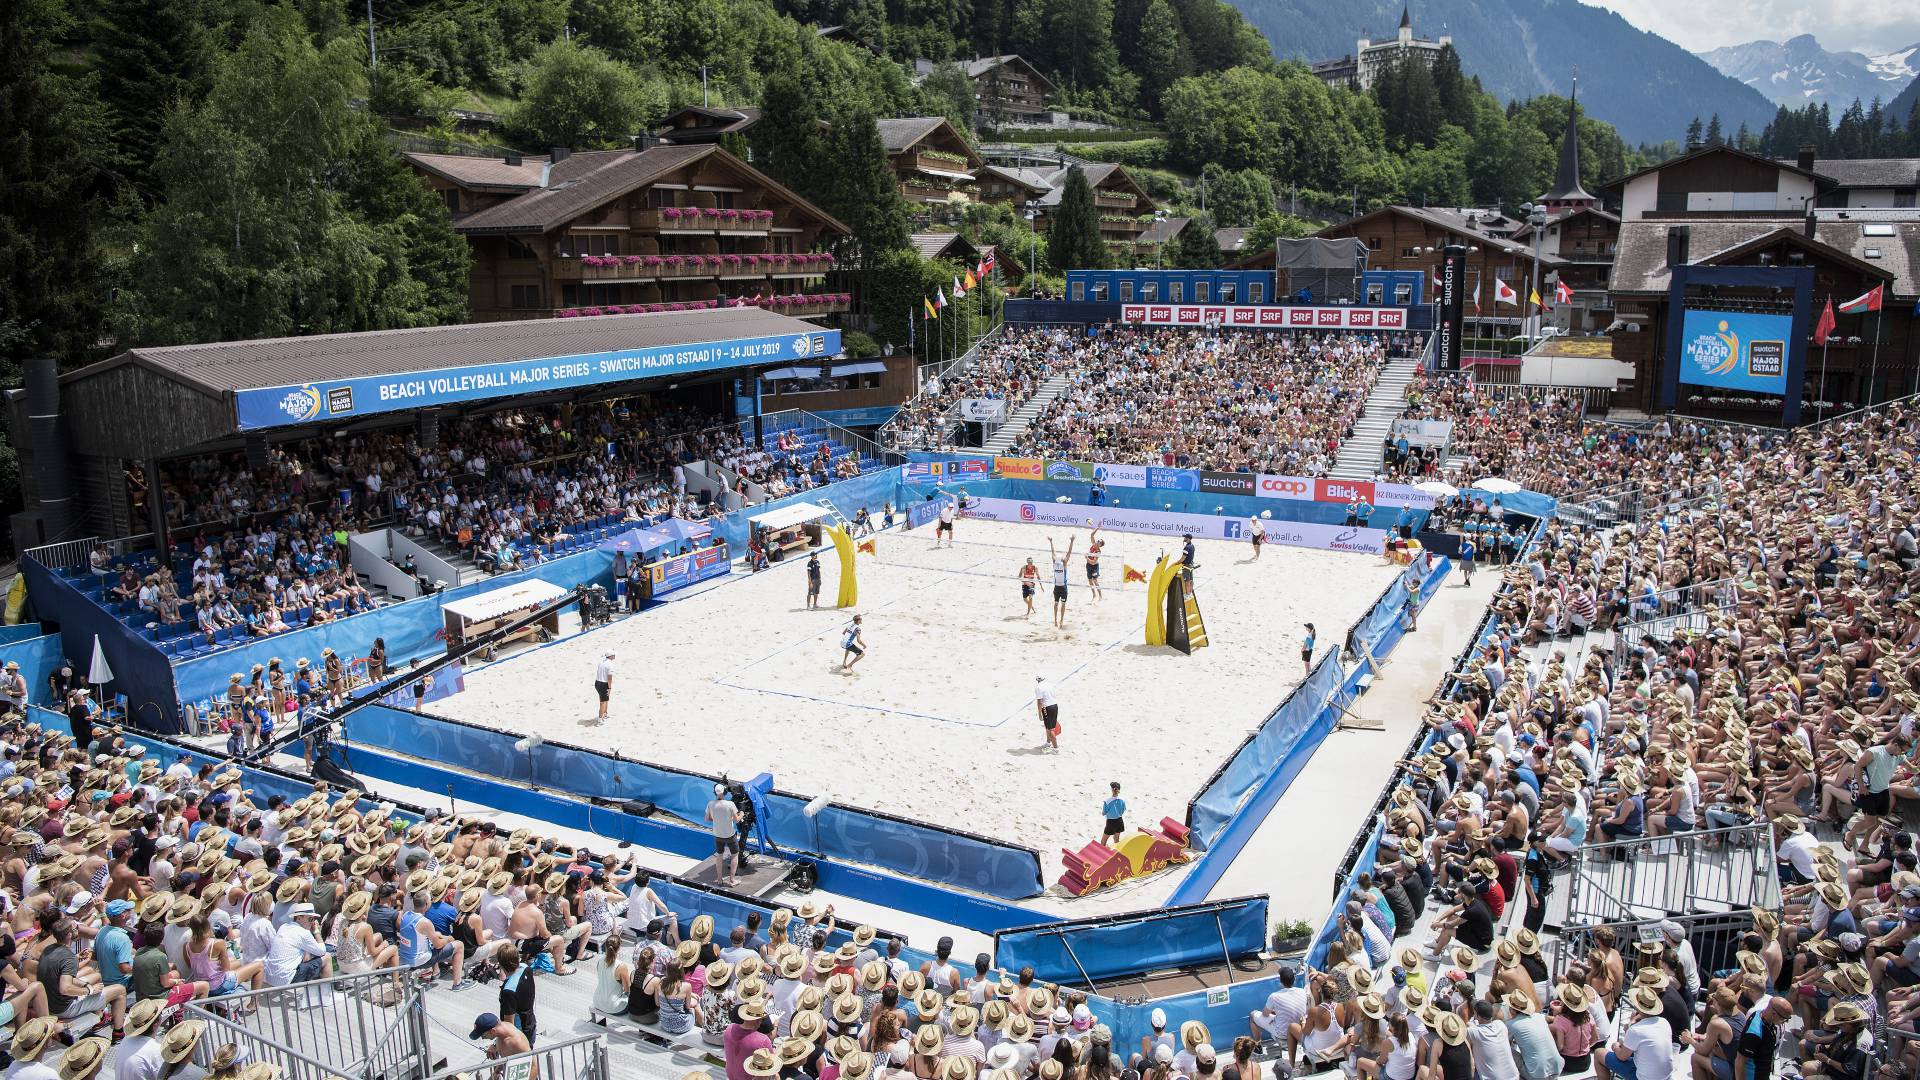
<point>1868,26</point>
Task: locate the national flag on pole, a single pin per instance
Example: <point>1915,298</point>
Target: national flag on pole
<point>972,280</point>
<point>1823,329</point>
<point>986,264</point>
<point>1503,293</point>
<point>1476,296</point>
<point>939,300</point>
<point>1439,284</point>
<point>1534,295</point>
<point>958,292</point>
<point>932,312</point>
<point>1562,294</point>
<point>1865,302</point>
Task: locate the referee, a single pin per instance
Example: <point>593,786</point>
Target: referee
<point>1114,809</point>
<point>603,683</point>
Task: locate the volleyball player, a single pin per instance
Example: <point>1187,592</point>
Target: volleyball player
<point>1257,532</point>
<point>1094,544</point>
<point>948,511</point>
<point>1029,581</point>
<point>1060,581</point>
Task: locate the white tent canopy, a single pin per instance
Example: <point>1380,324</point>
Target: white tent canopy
<point>785,517</point>
<point>496,602</point>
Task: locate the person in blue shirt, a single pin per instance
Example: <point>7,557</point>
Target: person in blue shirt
<point>113,947</point>
<point>443,914</point>
<point>1306,650</point>
<point>1115,810</point>
<point>1467,553</point>
<point>1363,513</point>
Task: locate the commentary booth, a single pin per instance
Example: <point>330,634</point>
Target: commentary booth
<point>93,442</point>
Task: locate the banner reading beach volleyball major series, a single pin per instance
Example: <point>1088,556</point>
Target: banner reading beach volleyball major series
<point>1173,525</point>
<point>1270,316</point>
<point>1155,478</point>
<point>1735,350</point>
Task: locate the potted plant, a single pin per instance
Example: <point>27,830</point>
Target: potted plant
<point>652,260</point>
<point>1291,936</point>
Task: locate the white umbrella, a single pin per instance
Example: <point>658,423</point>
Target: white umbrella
<point>1498,485</point>
<point>1437,487</point>
<point>98,673</point>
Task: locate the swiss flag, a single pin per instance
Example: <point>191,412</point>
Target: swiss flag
<point>1503,293</point>
<point>1562,294</point>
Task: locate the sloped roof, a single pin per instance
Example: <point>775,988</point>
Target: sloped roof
<point>482,172</point>
<point>940,245</point>
<point>1034,180</point>
<point>1819,175</point>
<point>980,66</point>
<point>718,121</point>
<point>1163,230</point>
<point>1870,172</point>
<point>1230,240</point>
<point>581,182</point>
<point>1640,263</point>
<point>902,132</point>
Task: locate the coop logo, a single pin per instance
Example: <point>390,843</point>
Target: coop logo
<point>803,346</point>
<point>1285,487</point>
<point>1028,513</point>
<point>1715,353</point>
<point>302,404</point>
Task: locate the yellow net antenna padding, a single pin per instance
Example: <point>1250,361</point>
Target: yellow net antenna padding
<point>843,546</point>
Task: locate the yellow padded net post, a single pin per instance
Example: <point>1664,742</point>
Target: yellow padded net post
<point>843,546</point>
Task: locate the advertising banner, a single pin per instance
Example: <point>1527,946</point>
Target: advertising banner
<point>978,468</point>
<point>1173,526</point>
<point>1424,432</point>
<point>983,410</point>
<point>1268,317</point>
<point>1228,483</point>
<point>1172,479</point>
<point>1269,486</point>
<point>1121,476</point>
<point>1020,468</point>
<point>920,513</point>
<point>1735,350</point>
<point>1453,292</point>
<point>1069,470</point>
<point>683,570</point>
<point>306,403</point>
<point>924,472</point>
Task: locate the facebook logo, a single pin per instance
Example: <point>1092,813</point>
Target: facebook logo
<point>1232,527</point>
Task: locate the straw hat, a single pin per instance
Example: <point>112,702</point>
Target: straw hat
<point>1412,997</point>
<point>1845,1012</point>
<point>749,987</point>
<point>1049,1069</point>
<point>794,1050</point>
<point>863,935</point>
<point>181,1040</point>
<point>959,1068</point>
<point>928,1002</point>
<point>1572,996</point>
<point>762,1062</point>
<point>183,911</point>
<point>1506,954</point>
<point>500,882</point>
<point>856,1066</point>
<point>1519,1001</point>
<point>84,1059</point>
<point>840,1046</point>
<point>142,1015</point>
<point>823,963</point>
<point>1644,999</point>
<point>30,1039</point>
<point>1452,1029</point>
<point>701,929</point>
<point>1767,922</point>
<point>289,889</point>
<point>964,1021</point>
<point>749,966</point>
<point>929,1041</point>
<point>154,908</point>
<point>752,1010</point>
<point>355,907</point>
<point>1854,977</point>
<point>1019,1028</point>
<point>809,909</point>
<point>1193,1033</point>
<point>846,1007</point>
<point>808,1024</point>
<point>994,1014</point>
<point>1372,1005</point>
<point>1040,1001</point>
<point>792,966</point>
<point>1834,894</point>
<point>910,984</point>
<point>809,1000</point>
<point>1528,941</point>
<point>781,919</point>
<point>719,973</point>
<point>874,975</point>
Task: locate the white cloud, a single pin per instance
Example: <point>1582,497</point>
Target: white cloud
<point>1868,26</point>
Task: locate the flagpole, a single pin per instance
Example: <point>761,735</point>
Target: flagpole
<point>1873,378</point>
<point>1820,403</point>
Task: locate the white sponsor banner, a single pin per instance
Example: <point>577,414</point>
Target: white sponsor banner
<point>1172,525</point>
<point>1424,432</point>
<point>1403,495</point>
<point>1267,316</point>
<point>1125,476</point>
<point>982,410</point>
<point>1298,488</point>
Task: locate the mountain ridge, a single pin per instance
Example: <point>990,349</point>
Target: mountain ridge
<point>1643,84</point>
<point>1799,71</point>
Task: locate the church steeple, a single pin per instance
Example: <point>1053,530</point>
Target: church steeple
<point>1406,18</point>
<point>1567,193</point>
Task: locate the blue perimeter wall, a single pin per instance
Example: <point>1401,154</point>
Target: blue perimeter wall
<point>1122,945</point>
<point>838,832</point>
<point>38,658</point>
<point>140,670</point>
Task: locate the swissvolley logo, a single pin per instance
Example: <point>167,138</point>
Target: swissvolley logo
<point>1715,353</point>
<point>302,403</point>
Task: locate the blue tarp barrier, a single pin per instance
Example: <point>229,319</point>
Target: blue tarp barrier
<point>38,658</point>
<point>140,670</point>
<point>1120,946</point>
<point>838,832</point>
<point>19,632</point>
<point>1292,723</point>
<point>411,629</point>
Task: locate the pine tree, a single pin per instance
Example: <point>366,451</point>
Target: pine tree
<point>1714,137</point>
<point>787,143</point>
<point>1693,141</point>
<point>1743,138</point>
<point>52,142</point>
<point>151,55</point>
<point>1161,55</point>
<point>860,188</point>
<point>1452,88</point>
<point>1073,235</point>
<point>1197,248</point>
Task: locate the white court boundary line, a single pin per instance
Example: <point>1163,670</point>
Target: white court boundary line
<point>946,575</point>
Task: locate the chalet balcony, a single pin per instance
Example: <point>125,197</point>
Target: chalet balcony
<point>1117,223</point>
<point>1122,201</point>
<point>698,219</point>
<point>939,163</point>
<point>798,304</point>
<point>664,267</point>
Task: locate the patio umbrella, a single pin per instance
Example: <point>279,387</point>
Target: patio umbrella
<point>682,529</point>
<point>630,541</point>
<point>1498,485</point>
<point>1437,487</point>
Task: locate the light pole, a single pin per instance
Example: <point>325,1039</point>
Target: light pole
<point>1160,243</point>
<point>1033,252</point>
<point>1537,218</point>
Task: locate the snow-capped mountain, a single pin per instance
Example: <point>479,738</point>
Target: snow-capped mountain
<point>1799,72</point>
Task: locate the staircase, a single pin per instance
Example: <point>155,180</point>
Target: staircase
<point>1361,455</point>
<point>1003,437</point>
<point>469,570</point>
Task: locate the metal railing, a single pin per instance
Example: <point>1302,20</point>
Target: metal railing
<point>1714,936</point>
<point>1860,413</point>
<point>890,433</point>
<point>1661,628</point>
<point>584,1058</point>
<point>364,1027</point>
<point>788,419</point>
<point>63,553</point>
<point>1658,877</point>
